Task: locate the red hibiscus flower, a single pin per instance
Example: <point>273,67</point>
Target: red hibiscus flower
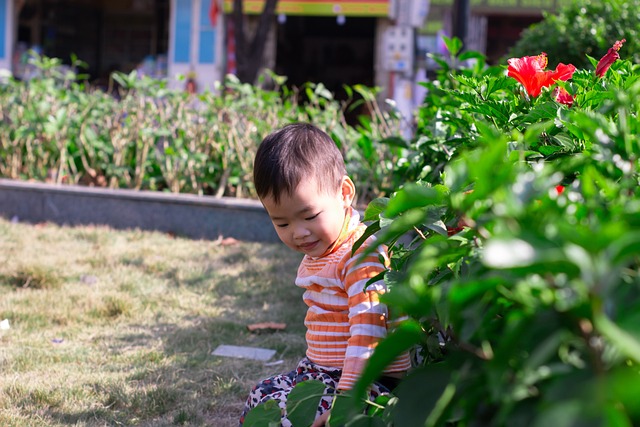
<point>530,72</point>
<point>561,96</point>
<point>609,58</point>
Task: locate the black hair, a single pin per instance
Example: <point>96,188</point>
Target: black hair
<point>295,152</point>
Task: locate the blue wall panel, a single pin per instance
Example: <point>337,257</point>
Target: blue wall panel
<point>206,51</point>
<point>182,32</point>
<point>3,28</point>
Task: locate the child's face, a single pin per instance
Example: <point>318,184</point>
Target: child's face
<point>310,219</point>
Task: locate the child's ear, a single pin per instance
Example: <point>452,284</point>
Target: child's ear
<point>348,191</point>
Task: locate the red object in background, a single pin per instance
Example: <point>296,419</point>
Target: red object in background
<point>458,228</point>
<point>213,12</point>
<point>560,189</point>
<point>231,48</point>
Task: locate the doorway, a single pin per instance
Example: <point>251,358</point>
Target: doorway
<point>108,35</point>
<point>322,50</point>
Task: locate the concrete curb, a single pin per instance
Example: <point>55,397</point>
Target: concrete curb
<point>186,215</point>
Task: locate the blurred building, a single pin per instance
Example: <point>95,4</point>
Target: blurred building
<point>335,42</point>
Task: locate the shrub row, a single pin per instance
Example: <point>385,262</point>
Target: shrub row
<point>54,128</point>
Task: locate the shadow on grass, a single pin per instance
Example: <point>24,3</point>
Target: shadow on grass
<point>169,375</point>
<point>181,382</point>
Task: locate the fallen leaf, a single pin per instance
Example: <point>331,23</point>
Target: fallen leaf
<point>273,326</point>
<point>227,241</point>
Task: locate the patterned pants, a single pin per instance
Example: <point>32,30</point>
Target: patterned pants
<point>278,388</point>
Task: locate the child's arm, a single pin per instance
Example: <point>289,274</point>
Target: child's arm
<point>367,316</point>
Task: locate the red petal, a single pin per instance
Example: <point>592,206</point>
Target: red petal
<point>563,72</point>
<point>563,97</point>
<point>529,71</point>
<point>609,58</point>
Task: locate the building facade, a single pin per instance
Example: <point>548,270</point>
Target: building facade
<point>335,42</point>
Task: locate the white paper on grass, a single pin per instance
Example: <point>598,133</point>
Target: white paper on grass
<point>240,352</point>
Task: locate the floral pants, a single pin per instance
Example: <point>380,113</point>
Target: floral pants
<point>278,388</point>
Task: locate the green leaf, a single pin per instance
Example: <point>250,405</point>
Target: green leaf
<point>365,421</point>
<point>565,141</point>
<point>404,337</point>
<point>395,141</point>
<point>302,402</point>
<point>470,54</point>
<point>620,338</point>
<point>623,386</point>
<point>423,394</point>
<point>496,84</point>
<point>464,292</point>
<point>541,112</point>
<point>440,61</point>
<point>534,131</point>
<point>401,225</point>
<point>375,208</point>
<point>548,150</point>
<point>345,407</point>
<point>616,417</point>
<point>263,414</point>
<point>438,226</point>
<point>624,248</point>
<point>453,44</point>
<point>368,232</point>
<point>413,196</point>
<point>568,413</point>
<point>492,109</point>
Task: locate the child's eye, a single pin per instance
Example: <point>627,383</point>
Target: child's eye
<point>281,225</point>
<point>312,217</point>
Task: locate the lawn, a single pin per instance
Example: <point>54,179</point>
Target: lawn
<point>117,327</point>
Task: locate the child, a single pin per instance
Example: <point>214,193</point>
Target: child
<point>300,177</point>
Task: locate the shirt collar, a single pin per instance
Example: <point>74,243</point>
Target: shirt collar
<point>351,221</point>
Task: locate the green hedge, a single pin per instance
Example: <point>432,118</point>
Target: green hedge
<point>56,129</point>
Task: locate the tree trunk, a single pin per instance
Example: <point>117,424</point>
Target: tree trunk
<point>249,55</point>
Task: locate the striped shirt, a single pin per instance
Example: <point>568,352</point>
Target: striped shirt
<point>344,322</point>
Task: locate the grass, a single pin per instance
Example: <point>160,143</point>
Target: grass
<point>113,328</point>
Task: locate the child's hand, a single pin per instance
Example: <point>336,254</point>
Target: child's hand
<point>321,421</point>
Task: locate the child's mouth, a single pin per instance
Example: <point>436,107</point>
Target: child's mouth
<point>308,246</point>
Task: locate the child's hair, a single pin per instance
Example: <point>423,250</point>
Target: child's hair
<point>295,152</point>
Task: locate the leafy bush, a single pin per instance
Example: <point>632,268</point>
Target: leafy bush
<point>583,27</point>
<point>55,129</point>
<point>521,278</point>
<point>522,281</point>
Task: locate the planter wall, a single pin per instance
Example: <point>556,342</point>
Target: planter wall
<point>197,217</point>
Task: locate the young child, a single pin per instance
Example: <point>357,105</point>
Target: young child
<point>300,177</point>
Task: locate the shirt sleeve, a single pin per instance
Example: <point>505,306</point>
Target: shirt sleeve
<point>367,315</point>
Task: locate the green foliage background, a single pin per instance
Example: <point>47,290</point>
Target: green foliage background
<point>583,27</point>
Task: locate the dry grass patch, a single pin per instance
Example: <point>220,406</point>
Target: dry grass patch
<point>117,327</point>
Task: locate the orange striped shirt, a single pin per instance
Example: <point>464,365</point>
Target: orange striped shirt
<point>344,321</point>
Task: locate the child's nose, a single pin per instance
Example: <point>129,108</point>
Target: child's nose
<point>300,232</point>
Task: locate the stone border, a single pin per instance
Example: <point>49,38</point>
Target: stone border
<point>185,215</point>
